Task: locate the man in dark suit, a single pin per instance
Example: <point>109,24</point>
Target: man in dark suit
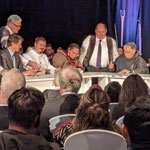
<point>69,82</point>
<point>11,80</point>
<point>10,56</point>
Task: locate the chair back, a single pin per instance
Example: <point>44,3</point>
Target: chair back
<point>111,108</point>
<point>95,140</point>
<point>55,122</point>
<point>119,121</point>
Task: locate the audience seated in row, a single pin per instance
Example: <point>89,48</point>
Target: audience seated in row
<point>24,109</point>
<point>69,82</point>
<point>92,113</point>
<point>132,87</point>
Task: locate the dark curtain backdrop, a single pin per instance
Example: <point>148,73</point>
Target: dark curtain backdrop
<point>59,21</point>
<point>146,29</point>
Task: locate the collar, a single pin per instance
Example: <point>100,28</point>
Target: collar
<point>3,104</point>
<point>66,93</point>
<point>8,29</point>
<point>62,51</point>
<point>11,53</point>
<point>104,39</point>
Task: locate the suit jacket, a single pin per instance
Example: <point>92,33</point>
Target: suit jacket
<point>61,105</point>
<point>50,94</point>
<point>4,117</point>
<point>7,62</point>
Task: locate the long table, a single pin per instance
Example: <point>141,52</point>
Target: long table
<point>43,82</point>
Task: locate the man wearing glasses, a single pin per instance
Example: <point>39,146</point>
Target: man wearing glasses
<point>13,26</point>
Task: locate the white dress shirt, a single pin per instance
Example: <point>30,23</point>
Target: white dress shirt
<point>41,59</point>
<point>104,52</point>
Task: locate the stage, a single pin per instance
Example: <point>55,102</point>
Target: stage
<point>43,82</point>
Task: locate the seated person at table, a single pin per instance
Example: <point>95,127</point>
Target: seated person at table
<point>49,51</point>
<point>130,61</point>
<point>37,55</point>
<point>10,57</point>
<point>69,58</point>
<point>24,110</point>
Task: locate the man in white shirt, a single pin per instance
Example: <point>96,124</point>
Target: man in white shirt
<point>91,58</point>
<point>36,54</point>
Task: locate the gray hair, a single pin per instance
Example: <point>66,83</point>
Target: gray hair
<point>11,81</point>
<point>13,19</point>
<point>131,44</point>
<point>70,79</point>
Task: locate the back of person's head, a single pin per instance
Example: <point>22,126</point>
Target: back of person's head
<point>137,120</point>
<point>95,94</point>
<point>14,38</point>
<point>25,106</point>
<point>92,112</point>
<point>11,81</point>
<point>133,87</point>
<point>113,90</point>
<point>13,19</point>
<point>70,79</point>
<point>56,78</point>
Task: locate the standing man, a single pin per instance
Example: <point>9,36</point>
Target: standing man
<point>13,26</point>
<point>98,51</point>
<point>10,57</point>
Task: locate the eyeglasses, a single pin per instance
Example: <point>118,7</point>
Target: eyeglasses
<point>17,26</point>
<point>74,53</point>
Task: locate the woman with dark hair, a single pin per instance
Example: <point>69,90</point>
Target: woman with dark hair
<point>132,87</point>
<point>92,113</point>
<point>113,90</point>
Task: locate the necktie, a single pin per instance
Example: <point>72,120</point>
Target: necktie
<point>98,64</point>
<point>14,61</point>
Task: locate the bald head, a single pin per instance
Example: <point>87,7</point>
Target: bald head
<point>100,31</point>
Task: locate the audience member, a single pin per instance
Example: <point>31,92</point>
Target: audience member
<point>49,51</point>
<point>132,87</point>
<point>69,82</point>
<point>37,55</point>
<point>136,123</point>
<point>113,90</point>
<point>69,58</point>
<point>10,56</point>
<point>92,113</point>
<point>25,106</point>
<point>98,52</point>
<point>11,81</point>
<point>52,93</point>
<point>13,26</point>
<point>130,61</point>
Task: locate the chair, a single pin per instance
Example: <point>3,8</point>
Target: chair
<point>111,107</point>
<point>119,121</point>
<point>55,122</point>
<point>95,139</point>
